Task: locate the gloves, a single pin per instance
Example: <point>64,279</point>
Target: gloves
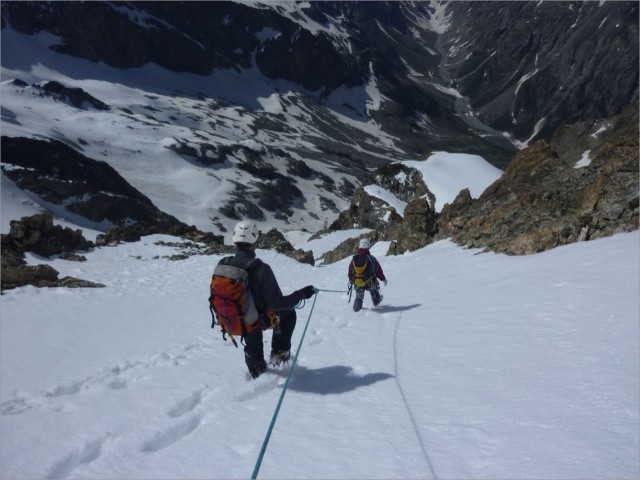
<point>385,282</point>
<point>307,292</point>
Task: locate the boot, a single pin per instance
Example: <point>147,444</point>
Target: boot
<point>279,358</point>
<point>357,304</point>
<point>376,298</point>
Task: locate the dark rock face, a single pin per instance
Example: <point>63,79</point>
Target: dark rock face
<point>74,96</point>
<point>62,176</point>
<point>196,37</point>
<point>310,60</point>
<point>572,141</point>
<point>38,234</point>
<point>417,229</point>
<point>557,63</point>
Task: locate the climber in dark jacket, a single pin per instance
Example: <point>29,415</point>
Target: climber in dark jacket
<point>275,309</point>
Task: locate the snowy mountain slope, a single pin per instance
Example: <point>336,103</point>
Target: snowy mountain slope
<point>273,111</point>
<point>475,365</point>
<point>529,68</point>
<point>185,153</point>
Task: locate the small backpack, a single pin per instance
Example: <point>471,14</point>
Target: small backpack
<point>231,301</point>
<point>364,271</point>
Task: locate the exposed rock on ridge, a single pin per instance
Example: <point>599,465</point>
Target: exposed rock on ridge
<point>409,230</point>
<point>540,202</point>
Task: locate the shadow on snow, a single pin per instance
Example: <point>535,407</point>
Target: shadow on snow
<point>332,380</point>
<point>393,308</point>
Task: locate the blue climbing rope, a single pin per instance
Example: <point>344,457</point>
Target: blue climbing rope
<point>284,390</point>
<point>300,305</point>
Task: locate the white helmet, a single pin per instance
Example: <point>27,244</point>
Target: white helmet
<point>365,243</point>
<point>245,232</point>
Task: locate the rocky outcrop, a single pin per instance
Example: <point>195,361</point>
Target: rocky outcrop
<point>610,201</point>
<point>417,229</point>
<point>544,198</point>
<point>274,240</point>
<point>347,248</point>
<point>540,203</point>
<point>39,235</point>
<point>365,211</point>
<point>408,230</point>
<point>404,182</point>
<point>208,244</point>
<point>133,232</point>
<point>76,97</point>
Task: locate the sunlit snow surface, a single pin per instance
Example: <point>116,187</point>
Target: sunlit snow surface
<point>474,366</point>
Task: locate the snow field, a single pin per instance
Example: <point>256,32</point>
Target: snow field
<point>475,365</point>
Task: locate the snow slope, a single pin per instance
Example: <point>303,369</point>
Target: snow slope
<point>447,173</point>
<point>475,366</point>
<point>153,109</point>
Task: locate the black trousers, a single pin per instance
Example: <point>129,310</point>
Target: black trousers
<point>281,340</point>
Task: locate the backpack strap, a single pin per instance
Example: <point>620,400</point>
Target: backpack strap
<point>252,261</point>
<point>373,266</point>
<point>352,270</point>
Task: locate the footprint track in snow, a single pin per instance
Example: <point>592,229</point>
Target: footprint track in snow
<point>259,386</point>
<point>83,456</point>
<point>186,405</point>
<point>174,433</point>
<point>171,435</point>
<point>117,377</point>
